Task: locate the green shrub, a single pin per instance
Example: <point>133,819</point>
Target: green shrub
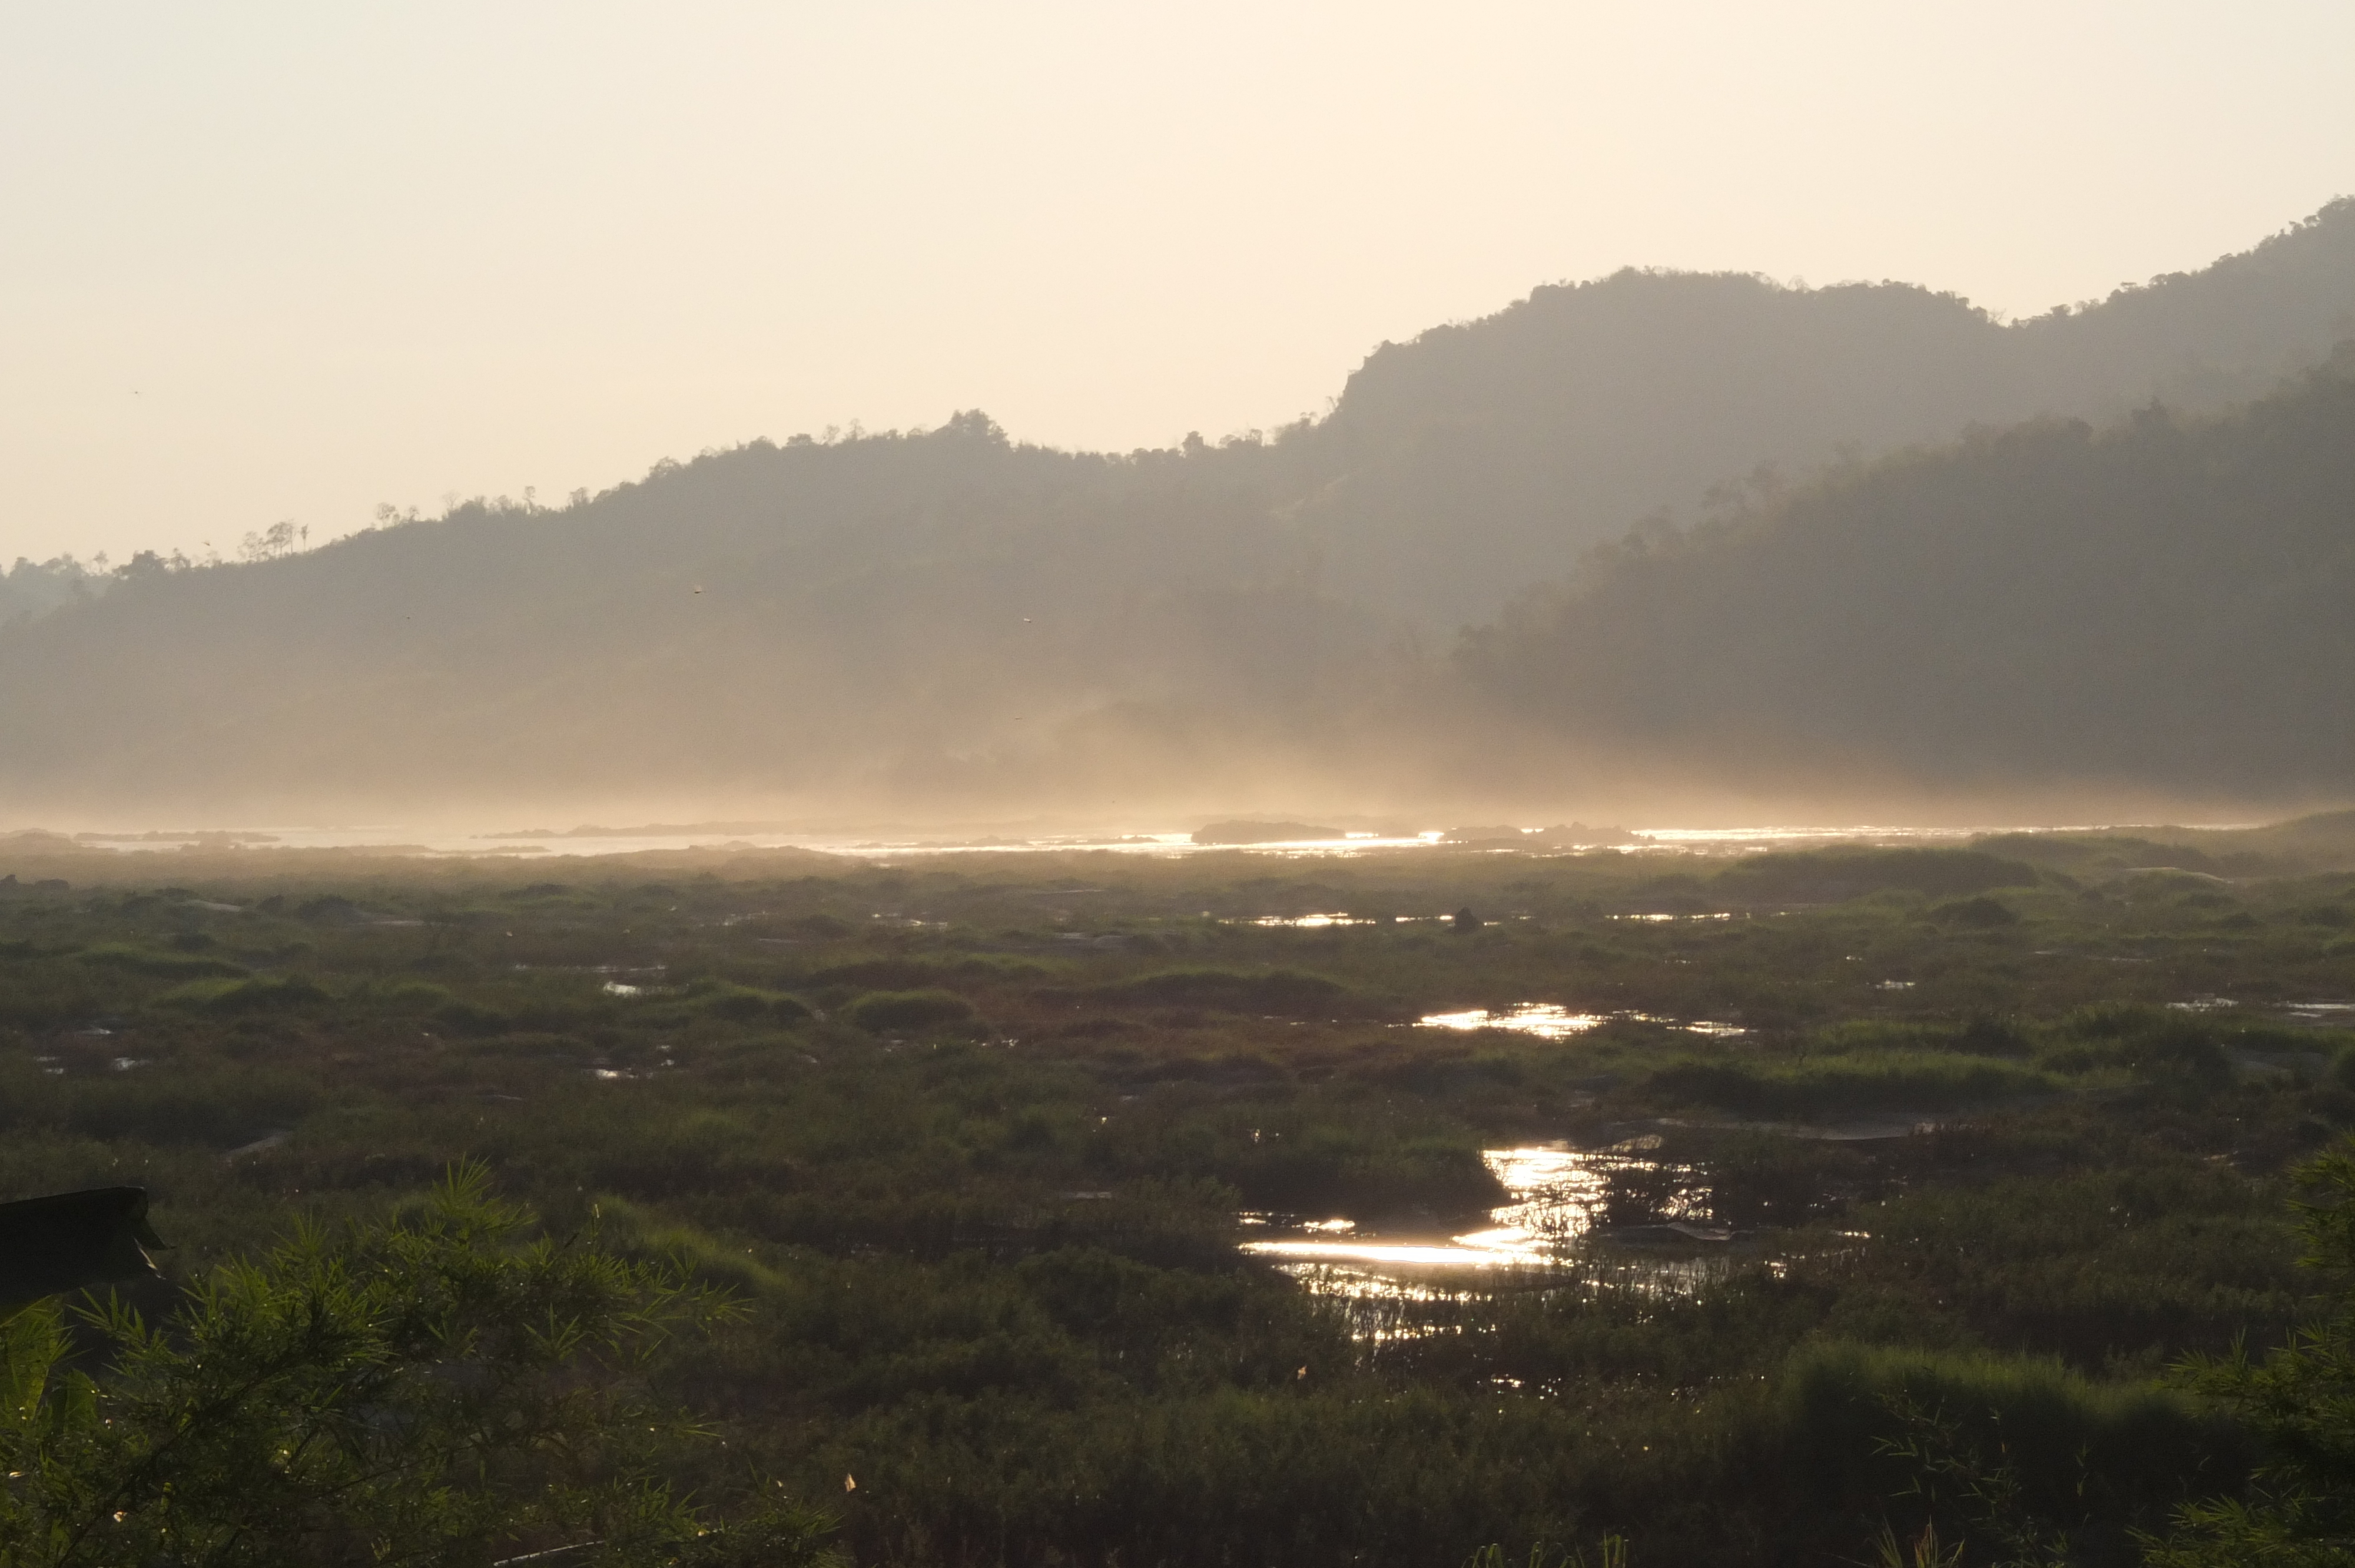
<point>2297,1398</point>
<point>440,1388</point>
<point>1850,1413</point>
<point>2145,1039</point>
<point>1975,913</point>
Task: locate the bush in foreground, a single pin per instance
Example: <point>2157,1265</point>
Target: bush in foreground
<point>434,1389</point>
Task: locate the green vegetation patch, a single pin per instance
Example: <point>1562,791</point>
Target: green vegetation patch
<point>1860,1424</point>
<point>1279,991</point>
<point>1001,1286</point>
<point>914,972</point>
<point>256,995</point>
<point>747,1004</point>
<point>1835,876</point>
<point>1885,1081</point>
<point>159,964</point>
<point>881,1010</point>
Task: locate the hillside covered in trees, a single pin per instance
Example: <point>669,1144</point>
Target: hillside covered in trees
<point>1482,456</point>
<point>891,614</point>
<point>950,621</point>
<point>2166,598</point>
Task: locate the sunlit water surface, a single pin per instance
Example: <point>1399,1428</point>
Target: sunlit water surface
<point>1552,1020</point>
<point>1554,1203</point>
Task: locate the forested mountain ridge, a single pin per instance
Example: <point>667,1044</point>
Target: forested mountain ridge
<point>32,589</point>
<point>951,616</point>
<point>766,619</point>
<point>1482,456</point>
<point>2168,599</point>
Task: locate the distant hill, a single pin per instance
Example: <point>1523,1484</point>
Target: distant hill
<point>951,615</point>
<point>30,589</point>
<point>1484,455</point>
<point>883,611</point>
<point>2166,601</point>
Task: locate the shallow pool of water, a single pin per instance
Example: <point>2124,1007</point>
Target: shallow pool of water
<point>1552,1020</point>
<point>1555,1200</point>
<point>1546,1020</point>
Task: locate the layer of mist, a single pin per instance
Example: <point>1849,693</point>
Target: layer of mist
<point>2079,598</point>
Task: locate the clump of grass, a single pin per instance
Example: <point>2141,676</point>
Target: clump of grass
<point>879,1011</point>
<point>1228,991</point>
<point>915,972</point>
<point>1890,1080</point>
<point>263,993</point>
<point>1980,913</point>
<point>747,1004</point>
<point>158,964</point>
<point>2145,1039</point>
<point>1863,1423</point>
<point>1828,876</point>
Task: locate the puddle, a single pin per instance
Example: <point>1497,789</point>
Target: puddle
<point>2323,1014</point>
<point>1301,922</point>
<point>1556,1197</point>
<point>1546,1020</point>
<point>1319,922</point>
<point>1707,1027</point>
<point>1552,1020</point>
<point>1671,919</point>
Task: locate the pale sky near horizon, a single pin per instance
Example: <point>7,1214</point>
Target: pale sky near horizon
<point>286,262</point>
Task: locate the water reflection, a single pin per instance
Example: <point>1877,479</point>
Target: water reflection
<point>1556,1197</point>
<point>1672,919</point>
<point>1552,1020</point>
<point>1546,1020</point>
<point>1303,922</point>
<point>1318,922</point>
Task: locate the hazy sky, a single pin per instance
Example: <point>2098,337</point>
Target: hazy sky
<point>265,262</point>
